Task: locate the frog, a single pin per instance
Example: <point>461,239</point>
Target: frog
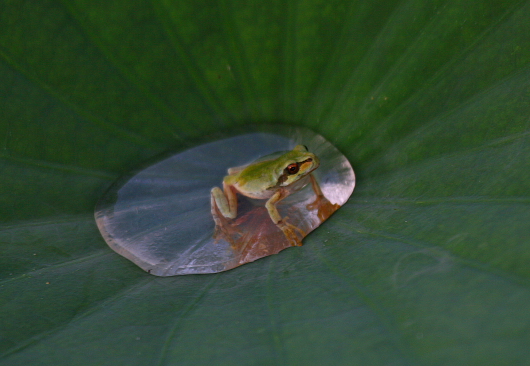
<point>273,178</point>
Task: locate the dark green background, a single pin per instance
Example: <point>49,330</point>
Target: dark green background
<point>427,264</point>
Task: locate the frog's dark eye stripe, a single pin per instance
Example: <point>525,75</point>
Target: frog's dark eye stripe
<point>295,167</point>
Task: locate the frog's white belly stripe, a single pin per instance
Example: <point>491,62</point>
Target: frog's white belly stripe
<point>265,194</point>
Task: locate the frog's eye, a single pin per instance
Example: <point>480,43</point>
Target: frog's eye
<point>292,168</point>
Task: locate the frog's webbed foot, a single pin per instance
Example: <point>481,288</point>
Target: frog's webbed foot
<point>324,206</point>
<point>291,232</point>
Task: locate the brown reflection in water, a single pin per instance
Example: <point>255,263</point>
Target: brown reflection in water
<point>253,235</point>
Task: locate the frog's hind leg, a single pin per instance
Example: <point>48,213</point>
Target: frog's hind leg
<point>225,227</point>
<point>214,206</point>
<point>225,200</point>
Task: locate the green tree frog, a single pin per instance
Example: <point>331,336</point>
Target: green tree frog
<point>272,178</point>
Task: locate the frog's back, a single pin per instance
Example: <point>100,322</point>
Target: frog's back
<point>257,180</point>
<point>269,157</point>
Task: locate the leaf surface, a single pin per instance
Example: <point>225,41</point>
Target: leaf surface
<point>426,264</point>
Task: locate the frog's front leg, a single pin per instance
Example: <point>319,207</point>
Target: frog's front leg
<point>225,200</point>
<point>290,231</point>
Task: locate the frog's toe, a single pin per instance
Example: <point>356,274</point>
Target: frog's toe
<point>292,233</point>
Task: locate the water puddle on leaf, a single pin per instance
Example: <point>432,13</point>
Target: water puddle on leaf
<point>164,219</point>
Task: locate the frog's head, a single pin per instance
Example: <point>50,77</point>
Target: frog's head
<point>295,164</point>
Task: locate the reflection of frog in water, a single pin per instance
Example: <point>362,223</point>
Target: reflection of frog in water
<point>272,177</point>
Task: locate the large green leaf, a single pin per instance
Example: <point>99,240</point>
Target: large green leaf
<point>428,263</point>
